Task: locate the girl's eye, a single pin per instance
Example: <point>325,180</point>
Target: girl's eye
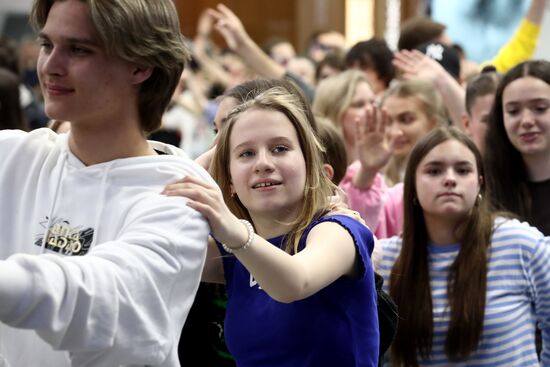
<point>246,154</point>
<point>433,171</point>
<point>358,104</point>
<point>463,171</point>
<point>280,149</point>
<point>407,119</point>
<point>541,108</point>
<point>512,111</point>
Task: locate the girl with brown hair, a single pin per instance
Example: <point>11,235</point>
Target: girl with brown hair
<point>470,285</point>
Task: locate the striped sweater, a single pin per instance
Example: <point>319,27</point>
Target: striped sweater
<point>518,296</point>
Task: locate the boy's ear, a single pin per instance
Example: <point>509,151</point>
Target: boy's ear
<point>141,74</point>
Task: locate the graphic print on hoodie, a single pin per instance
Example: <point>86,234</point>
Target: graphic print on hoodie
<point>64,238</point>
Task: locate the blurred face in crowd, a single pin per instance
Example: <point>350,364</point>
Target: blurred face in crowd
<point>282,53</point>
<point>225,106</point>
<point>356,111</point>
<point>476,121</point>
<point>408,122</point>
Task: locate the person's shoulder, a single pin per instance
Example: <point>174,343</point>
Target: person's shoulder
<point>358,231</point>
<point>391,241</point>
<point>42,134</point>
<point>345,221</point>
<point>512,232</point>
<point>152,209</point>
<point>513,226</point>
<point>180,157</point>
<point>19,144</point>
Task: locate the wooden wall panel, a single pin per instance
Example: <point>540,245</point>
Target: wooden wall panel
<point>294,20</point>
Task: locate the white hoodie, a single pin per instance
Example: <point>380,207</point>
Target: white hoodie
<point>123,303</point>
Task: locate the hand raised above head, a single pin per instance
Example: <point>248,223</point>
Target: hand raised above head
<point>374,148</point>
<point>415,65</point>
<point>229,25</point>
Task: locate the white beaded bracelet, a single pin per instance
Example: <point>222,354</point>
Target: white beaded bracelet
<point>248,242</point>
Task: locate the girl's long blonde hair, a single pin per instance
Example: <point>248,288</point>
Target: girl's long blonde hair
<point>318,187</point>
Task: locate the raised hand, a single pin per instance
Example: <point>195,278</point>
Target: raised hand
<point>415,65</point>
<point>372,143</point>
<point>205,24</point>
<point>229,25</point>
<point>208,200</point>
<point>374,148</point>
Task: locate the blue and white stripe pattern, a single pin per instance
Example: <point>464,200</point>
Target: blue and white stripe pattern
<point>518,295</point>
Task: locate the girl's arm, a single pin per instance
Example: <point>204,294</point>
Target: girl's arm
<point>329,253</point>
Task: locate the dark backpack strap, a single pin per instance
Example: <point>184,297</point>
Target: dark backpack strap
<point>387,315</point>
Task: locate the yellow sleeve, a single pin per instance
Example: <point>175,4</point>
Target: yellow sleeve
<point>519,48</point>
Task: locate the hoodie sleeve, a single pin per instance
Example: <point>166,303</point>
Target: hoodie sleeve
<point>125,302</point>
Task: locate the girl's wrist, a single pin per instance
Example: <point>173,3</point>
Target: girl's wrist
<point>246,243</point>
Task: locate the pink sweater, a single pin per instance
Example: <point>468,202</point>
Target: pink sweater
<point>379,205</point>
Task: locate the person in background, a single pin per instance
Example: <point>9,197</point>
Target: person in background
<point>374,58</point>
<point>480,95</point>
<point>11,114</point>
<point>470,284</point>
<point>342,99</point>
<point>521,47</point>
<point>280,50</point>
<point>332,64</point>
<point>517,144</point>
<point>321,43</point>
<point>33,111</point>
<point>384,139</point>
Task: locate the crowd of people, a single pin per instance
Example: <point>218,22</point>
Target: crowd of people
<point>170,202</point>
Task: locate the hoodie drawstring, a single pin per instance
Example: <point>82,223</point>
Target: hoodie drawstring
<point>54,202</point>
<point>102,198</point>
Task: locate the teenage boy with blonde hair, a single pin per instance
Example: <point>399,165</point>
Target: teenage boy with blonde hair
<point>96,267</point>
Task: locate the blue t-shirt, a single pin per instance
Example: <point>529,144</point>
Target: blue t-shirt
<point>337,326</point>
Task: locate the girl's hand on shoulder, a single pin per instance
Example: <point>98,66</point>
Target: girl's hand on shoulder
<point>208,200</point>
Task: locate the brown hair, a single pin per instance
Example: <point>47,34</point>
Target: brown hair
<point>142,32</point>
<point>479,86</point>
<point>250,89</point>
<point>417,31</point>
<point>467,278</point>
